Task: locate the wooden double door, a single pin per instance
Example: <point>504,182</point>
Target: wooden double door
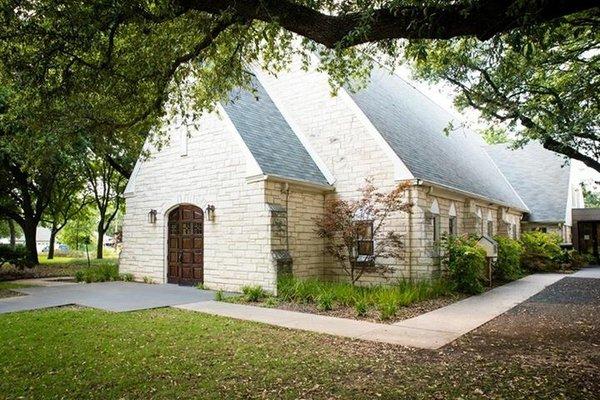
<point>186,246</point>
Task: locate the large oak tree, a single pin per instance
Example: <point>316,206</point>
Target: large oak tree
<point>108,67</point>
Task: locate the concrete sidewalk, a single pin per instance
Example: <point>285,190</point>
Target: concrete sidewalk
<point>110,296</point>
<point>428,331</point>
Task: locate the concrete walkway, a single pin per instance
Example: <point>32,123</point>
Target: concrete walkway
<point>110,296</point>
<point>431,330</point>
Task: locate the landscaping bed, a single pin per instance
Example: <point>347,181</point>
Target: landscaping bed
<point>372,315</point>
<point>380,303</point>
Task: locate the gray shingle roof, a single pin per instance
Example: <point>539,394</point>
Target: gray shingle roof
<point>270,139</point>
<point>539,178</point>
<point>413,125</point>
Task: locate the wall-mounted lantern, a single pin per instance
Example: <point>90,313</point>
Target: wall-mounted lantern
<point>210,212</point>
<point>152,216</point>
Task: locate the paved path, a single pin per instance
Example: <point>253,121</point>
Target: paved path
<point>110,296</point>
<point>431,330</point>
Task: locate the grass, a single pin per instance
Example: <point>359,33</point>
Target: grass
<point>76,261</point>
<point>167,353</point>
<point>386,299</point>
<point>6,288</point>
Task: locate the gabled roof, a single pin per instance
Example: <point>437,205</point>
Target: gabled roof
<point>539,176</point>
<point>414,126</point>
<point>273,143</point>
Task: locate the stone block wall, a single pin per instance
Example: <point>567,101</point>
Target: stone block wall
<point>303,205</point>
<point>213,171</point>
<point>340,138</point>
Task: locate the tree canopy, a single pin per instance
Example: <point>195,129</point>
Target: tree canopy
<point>106,69</point>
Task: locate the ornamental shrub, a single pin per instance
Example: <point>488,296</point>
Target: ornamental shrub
<point>253,293</point>
<point>508,265</point>
<point>465,263</point>
<point>577,260</point>
<point>16,256</point>
<point>541,251</point>
<point>98,273</point>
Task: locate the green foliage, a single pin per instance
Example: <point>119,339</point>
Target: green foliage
<point>126,277</point>
<point>591,195</point>
<point>495,135</point>
<point>387,308</point>
<point>385,298</point>
<point>253,293</point>
<point>17,256</point>
<point>148,280</point>
<point>219,295</point>
<point>200,286</point>
<point>271,301</point>
<point>529,82</point>
<point>508,265</point>
<point>541,251</point>
<point>465,262</point>
<point>100,273</point>
<point>82,225</point>
<point>325,301</point>
<point>577,261</point>
<point>361,307</point>
<point>5,229</point>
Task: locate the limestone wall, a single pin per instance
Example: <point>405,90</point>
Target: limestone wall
<point>213,171</point>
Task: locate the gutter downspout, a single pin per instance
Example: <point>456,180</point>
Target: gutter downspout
<point>410,234</point>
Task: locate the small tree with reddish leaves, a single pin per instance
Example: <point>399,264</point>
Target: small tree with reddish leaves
<point>356,232</point>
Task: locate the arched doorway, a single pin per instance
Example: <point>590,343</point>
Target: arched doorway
<point>186,246</point>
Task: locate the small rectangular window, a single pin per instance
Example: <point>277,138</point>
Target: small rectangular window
<point>514,231</point>
<point>452,226</point>
<point>490,228</point>
<point>364,238</point>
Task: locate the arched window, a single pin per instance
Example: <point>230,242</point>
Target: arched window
<point>490,224</point>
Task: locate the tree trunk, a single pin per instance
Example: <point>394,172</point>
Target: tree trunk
<point>29,231</point>
<point>100,246</point>
<point>53,232</point>
<point>13,234</point>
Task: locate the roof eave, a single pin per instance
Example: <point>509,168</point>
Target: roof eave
<point>474,195</point>
<point>300,182</point>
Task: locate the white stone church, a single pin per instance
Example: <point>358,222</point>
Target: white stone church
<point>209,207</point>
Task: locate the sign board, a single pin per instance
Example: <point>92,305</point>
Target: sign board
<point>489,245</point>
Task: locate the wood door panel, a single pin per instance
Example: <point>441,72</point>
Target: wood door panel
<point>186,245</point>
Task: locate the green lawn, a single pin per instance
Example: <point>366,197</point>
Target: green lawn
<point>6,288</point>
<point>166,353</point>
<point>73,261</point>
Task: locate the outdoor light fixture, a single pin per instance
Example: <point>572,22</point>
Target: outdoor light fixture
<point>210,212</point>
<point>152,216</point>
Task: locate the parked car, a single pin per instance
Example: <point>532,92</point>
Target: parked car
<point>61,247</point>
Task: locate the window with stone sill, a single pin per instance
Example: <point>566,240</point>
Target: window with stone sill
<point>365,243</point>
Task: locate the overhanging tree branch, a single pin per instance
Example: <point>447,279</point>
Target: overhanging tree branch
<point>483,18</point>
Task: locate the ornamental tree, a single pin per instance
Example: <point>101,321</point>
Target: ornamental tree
<point>358,234</point>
